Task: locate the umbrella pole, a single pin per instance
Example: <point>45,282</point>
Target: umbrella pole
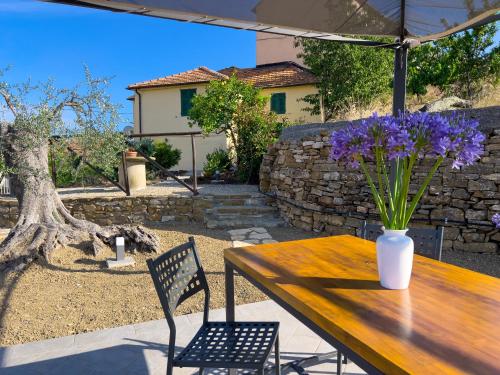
<point>400,70</point>
<point>398,94</point>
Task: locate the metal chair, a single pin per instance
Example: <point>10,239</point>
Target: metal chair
<point>428,242</point>
<point>178,275</point>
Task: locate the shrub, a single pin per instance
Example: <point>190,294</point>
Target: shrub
<point>146,146</point>
<point>256,132</point>
<point>166,155</point>
<point>216,161</point>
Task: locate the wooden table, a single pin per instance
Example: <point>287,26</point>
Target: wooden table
<point>447,322</point>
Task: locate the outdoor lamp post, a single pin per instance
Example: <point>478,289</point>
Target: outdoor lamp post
<point>121,260</point>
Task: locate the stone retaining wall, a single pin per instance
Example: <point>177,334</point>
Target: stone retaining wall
<point>124,210</point>
<point>315,193</point>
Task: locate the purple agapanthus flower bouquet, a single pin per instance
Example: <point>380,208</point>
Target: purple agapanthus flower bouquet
<point>402,141</point>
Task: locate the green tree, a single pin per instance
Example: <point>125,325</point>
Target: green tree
<point>425,67</point>
<point>215,110</point>
<point>349,75</point>
<point>471,59</point>
<point>238,110</point>
<point>36,116</point>
<point>458,64</point>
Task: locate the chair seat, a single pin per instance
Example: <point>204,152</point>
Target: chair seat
<point>244,345</point>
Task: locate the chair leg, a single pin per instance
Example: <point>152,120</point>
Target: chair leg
<point>201,371</point>
<point>277,356</point>
<point>339,363</point>
<point>170,369</point>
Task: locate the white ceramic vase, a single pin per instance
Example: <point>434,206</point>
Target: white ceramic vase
<point>394,259</point>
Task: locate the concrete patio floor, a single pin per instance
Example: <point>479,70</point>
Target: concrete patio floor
<point>141,348</point>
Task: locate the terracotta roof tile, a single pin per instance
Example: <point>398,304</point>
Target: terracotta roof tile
<point>264,76</point>
<point>274,75</point>
<point>201,74</point>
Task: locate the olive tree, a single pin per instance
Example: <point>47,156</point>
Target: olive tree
<point>35,118</point>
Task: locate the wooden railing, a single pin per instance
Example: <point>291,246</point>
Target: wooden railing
<point>154,163</point>
<point>125,187</point>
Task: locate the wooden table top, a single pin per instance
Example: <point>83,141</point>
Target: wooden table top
<point>447,322</point>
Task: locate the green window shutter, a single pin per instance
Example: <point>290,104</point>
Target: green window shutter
<point>186,97</point>
<point>278,103</point>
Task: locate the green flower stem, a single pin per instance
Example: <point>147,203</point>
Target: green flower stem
<point>381,187</point>
<point>421,191</point>
<point>395,189</point>
<point>388,185</point>
<point>397,194</point>
<point>376,195</point>
<point>403,194</point>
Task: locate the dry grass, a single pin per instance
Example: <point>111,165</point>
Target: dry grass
<point>490,96</point>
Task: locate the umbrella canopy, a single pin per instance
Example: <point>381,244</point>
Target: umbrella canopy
<point>422,20</point>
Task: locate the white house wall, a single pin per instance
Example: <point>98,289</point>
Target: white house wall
<point>161,113</point>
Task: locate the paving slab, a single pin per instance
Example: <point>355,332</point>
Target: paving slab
<point>239,232</point>
<point>241,244</point>
<point>141,348</point>
<point>250,236</point>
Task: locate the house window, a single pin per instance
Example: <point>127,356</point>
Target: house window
<point>278,103</point>
<point>186,97</point>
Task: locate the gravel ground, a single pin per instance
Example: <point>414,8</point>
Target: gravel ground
<point>77,294</point>
<point>488,264</point>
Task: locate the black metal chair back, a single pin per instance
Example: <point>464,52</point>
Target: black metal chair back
<point>371,231</point>
<point>428,242</point>
<point>178,275</point>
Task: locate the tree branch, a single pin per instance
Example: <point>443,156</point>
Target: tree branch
<point>8,101</point>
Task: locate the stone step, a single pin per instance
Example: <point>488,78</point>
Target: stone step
<point>226,217</point>
<point>242,201</point>
<point>245,222</point>
<point>242,210</point>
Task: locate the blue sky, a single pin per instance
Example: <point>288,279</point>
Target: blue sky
<point>42,40</point>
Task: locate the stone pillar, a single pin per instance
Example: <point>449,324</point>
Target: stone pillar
<point>136,168</point>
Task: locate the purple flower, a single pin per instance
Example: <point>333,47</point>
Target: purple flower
<point>496,220</point>
<point>420,134</point>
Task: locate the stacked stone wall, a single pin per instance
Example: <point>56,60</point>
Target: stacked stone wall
<point>315,193</point>
<point>124,210</point>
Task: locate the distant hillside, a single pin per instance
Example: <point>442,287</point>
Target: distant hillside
<point>490,97</point>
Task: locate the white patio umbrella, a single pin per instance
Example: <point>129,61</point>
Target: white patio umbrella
<point>410,22</point>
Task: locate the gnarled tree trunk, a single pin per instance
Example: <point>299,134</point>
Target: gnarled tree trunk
<point>44,223</point>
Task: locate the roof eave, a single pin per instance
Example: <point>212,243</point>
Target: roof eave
<point>287,85</point>
<point>139,87</point>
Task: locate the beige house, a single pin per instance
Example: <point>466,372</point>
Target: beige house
<point>161,105</point>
